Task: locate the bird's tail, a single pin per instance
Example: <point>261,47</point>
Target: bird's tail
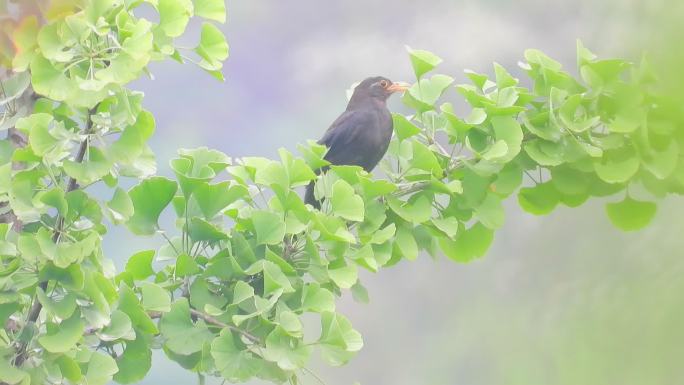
<point>309,197</point>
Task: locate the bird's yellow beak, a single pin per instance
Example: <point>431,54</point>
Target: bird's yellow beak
<point>398,87</point>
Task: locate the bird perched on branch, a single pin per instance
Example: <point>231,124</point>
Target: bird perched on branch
<point>361,135</point>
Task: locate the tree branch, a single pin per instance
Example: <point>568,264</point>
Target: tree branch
<point>72,185</point>
<point>211,320</point>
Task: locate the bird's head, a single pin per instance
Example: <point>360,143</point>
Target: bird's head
<point>379,88</point>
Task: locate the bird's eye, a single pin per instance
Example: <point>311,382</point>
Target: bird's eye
<point>384,83</point>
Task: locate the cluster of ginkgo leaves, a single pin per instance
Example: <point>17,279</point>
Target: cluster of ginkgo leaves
<point>225,293</point>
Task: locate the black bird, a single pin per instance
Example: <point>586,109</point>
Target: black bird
<point>361,135</point>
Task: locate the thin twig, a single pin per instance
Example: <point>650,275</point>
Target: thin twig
<point>211,320</point>
<point>311,372</point>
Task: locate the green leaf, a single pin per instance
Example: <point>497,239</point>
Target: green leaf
<point>662,163</point>
<point>182,336</point>
<point>360,293</point>
<point>129,304</point>
<point>583,54</point>
<point>317,299</point>
<point>539,124</point>
<point>498,150</point>
<point>545,153</point>
<point>469,244</point>
<point>234,364</point>
<point>283,264</point>
<point>62,337</point>
<point>101,369</point>
<point>630,214</point>
<point>449,226</point>
<point>71,277</point>
<point>268,172</point>
<point>203,297</point>
<point>574,115</point>
<point>203,231</point>
<point>490,212</point>
<point>212,47</point>
<point>191,175</point>
<point>62,309</point>
<point>477,116</point>
<point>212,198</point>
<point>406,243</point>
<point>339,341</point>
<point>457,128</point>
<point>403,127</point>
<point>481,81</point>
<point>55,198</point>
<point>10,374</point>
<point>91,170</point>
<point>50,81</point>
<point>274,279</point>
<point>7,309</point>
<point>269,227</point>
<point>149,198</point>
<point>626,121</point>
<point>506,128</point>
<point>365,257</point>
<point>52,45</point>
<point>131,143</point>
<point>120,208</point>
<point>538,200</point>
<point>186,265</point>
<point>383,235</point>
<point>313,154</point>
<point>120,327</point>
<point>616,170</point>
<point>503,78</point>
<point>508,180</point>
<point>211,9</point>
<point>135,361</point>
<point>423,61</point>
<point>424,159</point>
<point>155,298</point>
<point>569,181</point>
<point>417,209</point>
<point>242,292</point>
<point>69,368</point>
<point>534,56</point>
<point>37,126</point>
<point>424,94</point>
<point>290,323</point>
<point>174,16</point>
<point>288,352</point>
<point>346,203</point>
<point>139,265</point>
<point>343,274</point>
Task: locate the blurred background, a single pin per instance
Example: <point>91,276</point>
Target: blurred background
<point>563,299</point>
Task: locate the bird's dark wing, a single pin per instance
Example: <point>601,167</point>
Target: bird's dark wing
<point>344,136</point>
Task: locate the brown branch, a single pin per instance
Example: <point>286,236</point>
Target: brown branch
<point>72,185</point>
<point>415,187</point>
<point>213,321</point>
<point>205,317</point>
